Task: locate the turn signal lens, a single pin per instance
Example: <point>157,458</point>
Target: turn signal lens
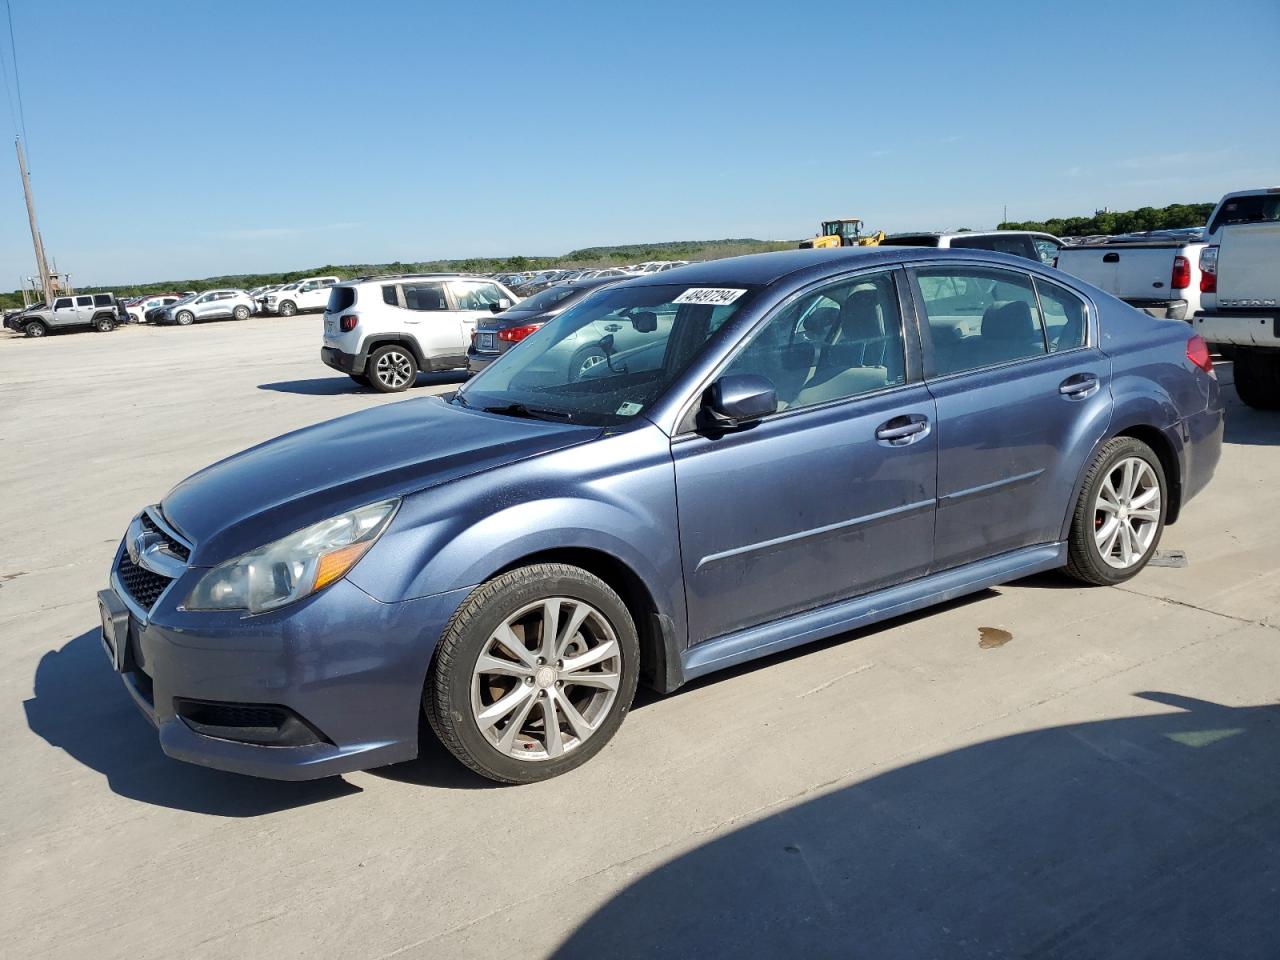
<point>1198,353</point>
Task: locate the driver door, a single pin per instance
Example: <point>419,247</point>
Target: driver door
<point>831,497</point>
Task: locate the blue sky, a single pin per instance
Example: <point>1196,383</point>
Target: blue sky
<point>173,141</point>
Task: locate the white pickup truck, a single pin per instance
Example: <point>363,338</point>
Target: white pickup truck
<point>1240,291</point>
<point>1158,276</point>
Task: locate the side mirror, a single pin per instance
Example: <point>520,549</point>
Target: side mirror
<point>738,400</point>
<point>499,306</point>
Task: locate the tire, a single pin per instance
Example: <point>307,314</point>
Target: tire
<point>584,360</point>
<point>288,308</point>
<point>391,369</point>
<point>240,313</point>
<point>1102,559</point>
<point>184,318</point>
<point>35,328</point>
<point>359,378</point>
<point>458,691</point>
<point>1257,377</point>
<point>104,324</point>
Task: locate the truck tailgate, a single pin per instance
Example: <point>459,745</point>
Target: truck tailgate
<point>1249,263</point>
<point>1135,271</point>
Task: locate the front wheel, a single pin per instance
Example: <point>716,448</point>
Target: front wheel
<point>1119,516</point>
<point>534,674</point>
<point>240,313</point>
<point>35,328</point>
<point>1257,378</point>
<point>185,318</point>
<point>288,308</point>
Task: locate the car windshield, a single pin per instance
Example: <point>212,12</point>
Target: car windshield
<point>608,358</point>
<point>185,299</point>
<point>545,299</point>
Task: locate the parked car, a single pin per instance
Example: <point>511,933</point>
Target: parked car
<point>1043,247</point>
<point>1240,291</point>
<point>494,337</point>
<point>383,331</point>
<point>816,442</point>
<point>1158,276</point>
<point>97,311</point>
<point>210,305</point>
<point>139,309</point>
<point>299,296</point>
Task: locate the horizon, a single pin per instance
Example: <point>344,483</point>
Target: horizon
<point>356,146</point>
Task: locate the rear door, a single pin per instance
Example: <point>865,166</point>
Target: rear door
<point>84,310</point>
<point>833,496</point>
<point>1023,395</point>
<point>430,319</point>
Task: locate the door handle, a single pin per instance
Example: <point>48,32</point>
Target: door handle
<point>1079,386</point>
<point>904,430</point>
<point>613,327</point>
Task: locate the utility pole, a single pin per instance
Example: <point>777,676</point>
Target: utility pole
<point>46,282</point>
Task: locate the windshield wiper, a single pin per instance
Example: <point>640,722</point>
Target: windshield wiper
<point>532,413</point>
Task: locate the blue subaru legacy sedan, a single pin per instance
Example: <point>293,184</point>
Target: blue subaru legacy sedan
<point>781,448</point>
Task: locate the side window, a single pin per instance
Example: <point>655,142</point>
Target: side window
<point>839,341</point>
<point>979,317</point>
<point>476,296</point>
<point>84,301</point>
<point>425,296</point>
<point>389,295</point>
<point>1064,316</point>
<point>62,303</point>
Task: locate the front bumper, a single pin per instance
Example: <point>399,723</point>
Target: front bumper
<point>350,667</point>
<point>340,360</point>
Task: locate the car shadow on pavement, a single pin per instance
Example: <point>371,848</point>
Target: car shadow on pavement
<point>81,706</point>
<point>333,386</point>
<point>1245,425</point>
<point>1149,836</point>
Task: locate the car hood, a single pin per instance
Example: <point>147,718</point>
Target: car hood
<point>280,486</point>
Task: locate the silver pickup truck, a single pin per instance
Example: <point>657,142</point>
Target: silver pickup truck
<point>1240,312</point>
<point>1157,275</point>
<point>97,311</point>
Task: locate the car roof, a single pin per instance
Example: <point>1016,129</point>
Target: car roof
<point>804,265</point>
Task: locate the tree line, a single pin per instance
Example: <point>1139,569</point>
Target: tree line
<point>1172,217</point>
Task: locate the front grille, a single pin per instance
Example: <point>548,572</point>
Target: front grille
<point>176,547</point>
<point>143,586</point>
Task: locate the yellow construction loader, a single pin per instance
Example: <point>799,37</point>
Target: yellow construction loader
<point>842,233</point>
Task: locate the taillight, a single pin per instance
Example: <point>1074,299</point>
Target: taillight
<point>1198,353</point>
<point>1181,278</point>
<point>1209,270</point>
<point>348,322</point>
<point>516,334</point>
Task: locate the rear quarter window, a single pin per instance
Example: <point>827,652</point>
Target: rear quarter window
<point>1259,208</point>
<point>102,300</point>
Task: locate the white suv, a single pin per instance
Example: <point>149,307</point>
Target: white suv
<point>310,293</point>
<point>382,331</point>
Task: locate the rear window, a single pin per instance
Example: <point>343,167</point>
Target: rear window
<point>341,298</point>
<point>1259,208</point>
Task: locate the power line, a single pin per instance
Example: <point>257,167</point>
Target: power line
<point>17,77</point>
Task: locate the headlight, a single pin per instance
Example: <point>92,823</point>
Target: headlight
<point>294,567</point>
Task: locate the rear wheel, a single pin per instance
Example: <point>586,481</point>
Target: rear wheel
<point>35,328</point>
<point>288,308</point>
<point>1257,377</point>
<point>241,313</point>
<point>104,324</point>
<point>534,674</point>
<point>1119,516</point>
<point>391,369</point>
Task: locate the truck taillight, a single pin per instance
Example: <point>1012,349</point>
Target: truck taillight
<point>348,322</point>
<point>516,334</point>
<point>1209,270</point>
<point>1198,353</point>
<point>1181,278</point>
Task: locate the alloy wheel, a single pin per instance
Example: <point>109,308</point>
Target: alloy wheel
<point>1127,512</point>
<point>589,361</point>
<point>546,679</point>
<point>394,369</point>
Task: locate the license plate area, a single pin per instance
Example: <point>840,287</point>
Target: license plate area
<point>486,342</point>
<point>115,630</point>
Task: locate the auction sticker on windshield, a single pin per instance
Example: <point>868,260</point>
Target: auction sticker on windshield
<point>716,296</point>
